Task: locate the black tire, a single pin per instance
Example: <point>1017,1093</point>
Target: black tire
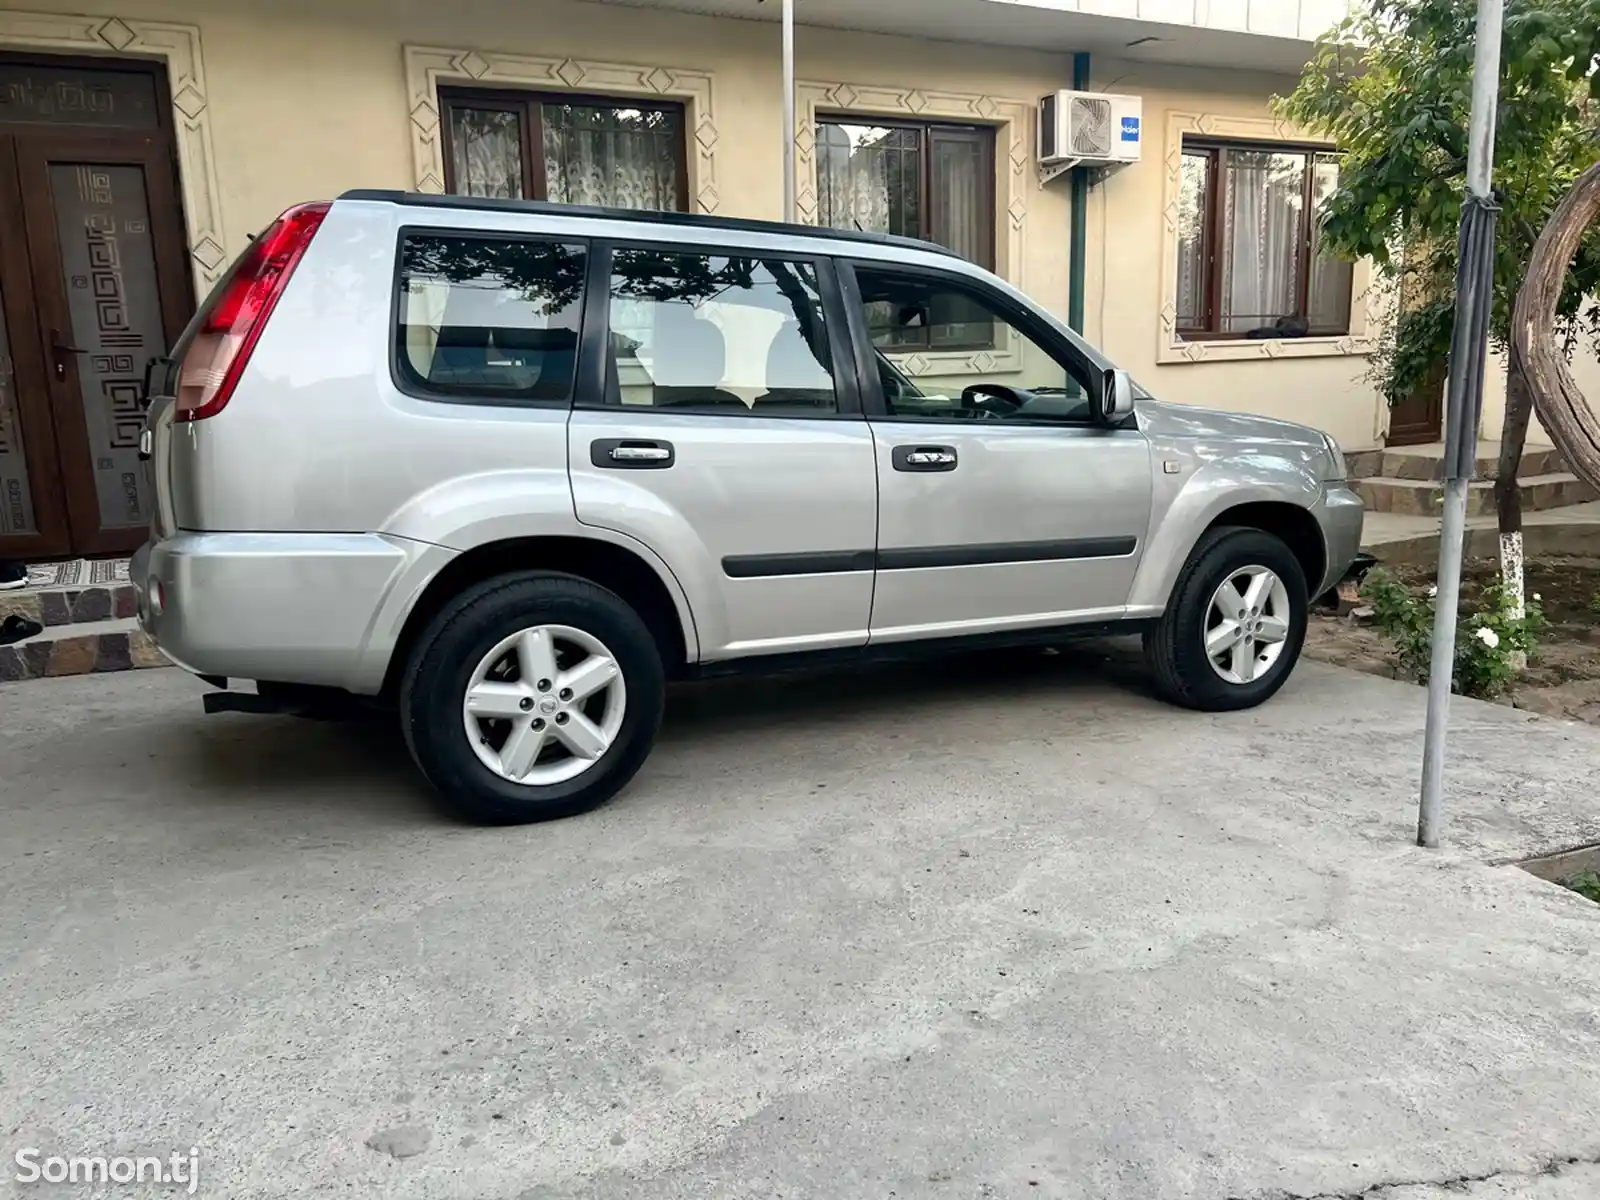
<point>441,666</point>
<point>1175,648</point>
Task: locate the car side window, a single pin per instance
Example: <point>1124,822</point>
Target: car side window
<point>727,334</point>
<point>1020,380</point>
<point>489,318</point>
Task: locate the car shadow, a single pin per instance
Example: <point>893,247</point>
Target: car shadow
<point>282,762</point>
<point>750,701</point>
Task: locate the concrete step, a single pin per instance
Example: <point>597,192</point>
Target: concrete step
<point>1427,462</point>
<point>1418,497</point>
<point>54,606</point>
<point>79,648</point>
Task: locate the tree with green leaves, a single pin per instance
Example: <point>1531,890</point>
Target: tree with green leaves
<point>1392,86</point>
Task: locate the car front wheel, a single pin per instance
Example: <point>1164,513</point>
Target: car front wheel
<point>1234,625</point>
<point>532,697</point>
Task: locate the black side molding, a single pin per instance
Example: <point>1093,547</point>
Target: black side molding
<point>767,566</point>
<point>830,562</point>
<point>916,557</point>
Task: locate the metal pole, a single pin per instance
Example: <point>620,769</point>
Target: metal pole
<point>1468,342</point>
<point>788,110</point>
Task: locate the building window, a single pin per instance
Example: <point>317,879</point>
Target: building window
<point>618,153</point>
<point>1249,260</point>
<point>934,182</point>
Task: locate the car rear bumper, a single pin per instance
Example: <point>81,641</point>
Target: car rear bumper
<point>294,608</point>
<point>1340,515</point>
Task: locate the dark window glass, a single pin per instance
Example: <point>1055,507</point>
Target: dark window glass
<point>1250,262</point>
<point>524,146</point>
<point>490,317</point>
<point>1043,386</point>
<point>718,333</point>
<point>70,95</point>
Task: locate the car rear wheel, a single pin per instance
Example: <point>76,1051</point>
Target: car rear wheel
<point>1234,625</point>
<point>532,697</point>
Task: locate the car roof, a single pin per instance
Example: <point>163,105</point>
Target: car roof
<point>635,216</point>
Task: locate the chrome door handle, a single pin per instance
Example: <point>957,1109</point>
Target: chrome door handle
<point>632,454</point>
<point>924,458</point>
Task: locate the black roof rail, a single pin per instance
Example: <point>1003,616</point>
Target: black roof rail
<point>686,220</point>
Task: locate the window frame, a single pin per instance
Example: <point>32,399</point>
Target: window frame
<point>529,105</point>
<point>1026,322</point>
<point>1215,150</point>
<point>589,394</point>
<point>403,377</point>
<point>927,131</point>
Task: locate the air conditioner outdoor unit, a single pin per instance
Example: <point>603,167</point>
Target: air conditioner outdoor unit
<point>1090,129</point>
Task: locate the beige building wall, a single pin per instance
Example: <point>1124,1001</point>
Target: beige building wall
<point>304,100</point>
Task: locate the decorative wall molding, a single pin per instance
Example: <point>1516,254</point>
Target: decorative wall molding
<point>178,47</point>
<point>427,67</point>
<point>1173,349</point>
<point>1014,182</point>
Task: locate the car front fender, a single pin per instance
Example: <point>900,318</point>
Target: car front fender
<point>1194,501</point>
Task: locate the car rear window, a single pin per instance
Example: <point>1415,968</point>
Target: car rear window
<point>489,318</point>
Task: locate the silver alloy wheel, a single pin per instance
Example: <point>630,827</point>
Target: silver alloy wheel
<point>1247,624</point>
<point>544,705</point>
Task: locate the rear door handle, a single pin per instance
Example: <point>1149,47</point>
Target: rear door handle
<point>631,454</point>
<point>924,458</point>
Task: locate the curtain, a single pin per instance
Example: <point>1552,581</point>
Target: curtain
<point>486,152</point>
<point>1332,279</point>
<point>1193,204</point>
<point>613,157</point>
<point>1265,194</point>
<point>869,178</point>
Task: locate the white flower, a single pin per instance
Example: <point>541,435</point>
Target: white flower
<point>1536,596</point>
<point>1488,637</point>
<point>1433,591</point>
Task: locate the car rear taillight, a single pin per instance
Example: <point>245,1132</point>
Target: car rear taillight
<point>228,332</point>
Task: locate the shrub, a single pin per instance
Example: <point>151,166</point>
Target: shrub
<point>1488,635</point>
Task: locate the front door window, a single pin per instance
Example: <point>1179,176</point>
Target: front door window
<point>1031,382</point>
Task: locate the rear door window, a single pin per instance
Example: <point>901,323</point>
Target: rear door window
<point>731,334</point>
<point>492,319</point>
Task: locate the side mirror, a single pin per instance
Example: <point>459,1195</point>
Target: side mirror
<point>1116,397</point>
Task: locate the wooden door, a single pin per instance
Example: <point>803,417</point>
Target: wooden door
<point>94,282</point>
<point>111,292</point>
<point>33,513</point>
<point>1419,418</point>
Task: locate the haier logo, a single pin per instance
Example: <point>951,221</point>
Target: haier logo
<point>1130,129</point>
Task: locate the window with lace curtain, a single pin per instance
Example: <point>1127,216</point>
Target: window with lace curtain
<point>610,151</point>
<point>1250,262</point>
<point>929,181</point>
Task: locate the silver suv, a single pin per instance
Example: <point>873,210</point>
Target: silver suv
<point>511,467</point>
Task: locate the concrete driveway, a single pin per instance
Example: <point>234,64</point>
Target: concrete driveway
<point>984,929</point>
